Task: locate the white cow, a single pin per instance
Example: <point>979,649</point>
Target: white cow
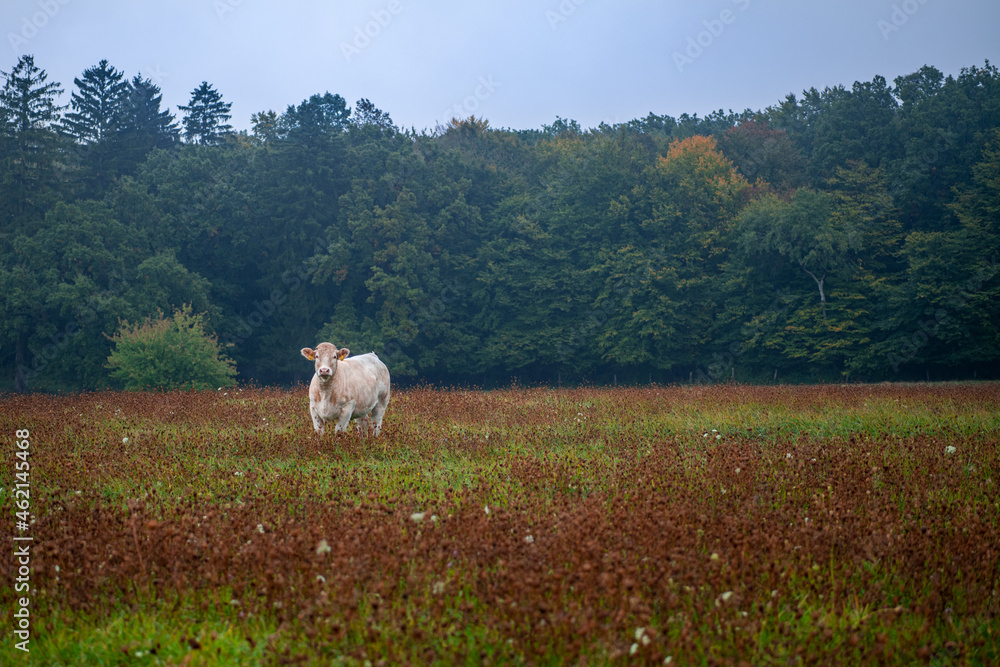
<point>344,389</point>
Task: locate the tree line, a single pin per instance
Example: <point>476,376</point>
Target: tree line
<point>849,234</point>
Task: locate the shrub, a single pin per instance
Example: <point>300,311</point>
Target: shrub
<point>169,353</point>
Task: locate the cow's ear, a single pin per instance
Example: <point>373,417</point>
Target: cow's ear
<point>343,353</point>
<point>309,353</point>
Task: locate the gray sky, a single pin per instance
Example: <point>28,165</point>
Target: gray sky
<point>518,63</point>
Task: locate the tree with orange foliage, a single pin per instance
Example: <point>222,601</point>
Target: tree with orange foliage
<point>664,279</point>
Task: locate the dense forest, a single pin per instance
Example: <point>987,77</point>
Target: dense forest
<point>850,233</point>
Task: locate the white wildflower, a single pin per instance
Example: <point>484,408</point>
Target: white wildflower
<point>322,548</point>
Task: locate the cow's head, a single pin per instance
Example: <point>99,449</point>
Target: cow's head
<point>326,356</point>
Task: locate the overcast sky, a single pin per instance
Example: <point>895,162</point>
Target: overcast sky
<point>518,63</point>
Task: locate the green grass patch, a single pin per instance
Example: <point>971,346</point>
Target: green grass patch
<point>771,524</point>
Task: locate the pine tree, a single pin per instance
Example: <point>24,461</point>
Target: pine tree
<point>28,151</point>
<point>367,114</point>
<point>205,116</point>
<point>28,101</point>
<point>28,146</point>
<point>97,105</point>
<point>94,123</point>
<point>144,125</point>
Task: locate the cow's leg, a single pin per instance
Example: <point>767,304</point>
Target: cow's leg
<point>345,417</point>
<point>317,422</point>
<point>364,424</point>
<point>377,413</point>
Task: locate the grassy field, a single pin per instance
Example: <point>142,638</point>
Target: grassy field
<point>680,525</point>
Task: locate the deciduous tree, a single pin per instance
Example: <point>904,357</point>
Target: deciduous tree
<point>169,353</point>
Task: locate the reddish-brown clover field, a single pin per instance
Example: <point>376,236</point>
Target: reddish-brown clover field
<point>834,524</point>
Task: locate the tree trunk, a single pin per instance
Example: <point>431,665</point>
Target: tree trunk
<point>20,379</point>
<point>819,283</point>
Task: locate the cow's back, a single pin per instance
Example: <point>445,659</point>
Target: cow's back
<point>365,379</point>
